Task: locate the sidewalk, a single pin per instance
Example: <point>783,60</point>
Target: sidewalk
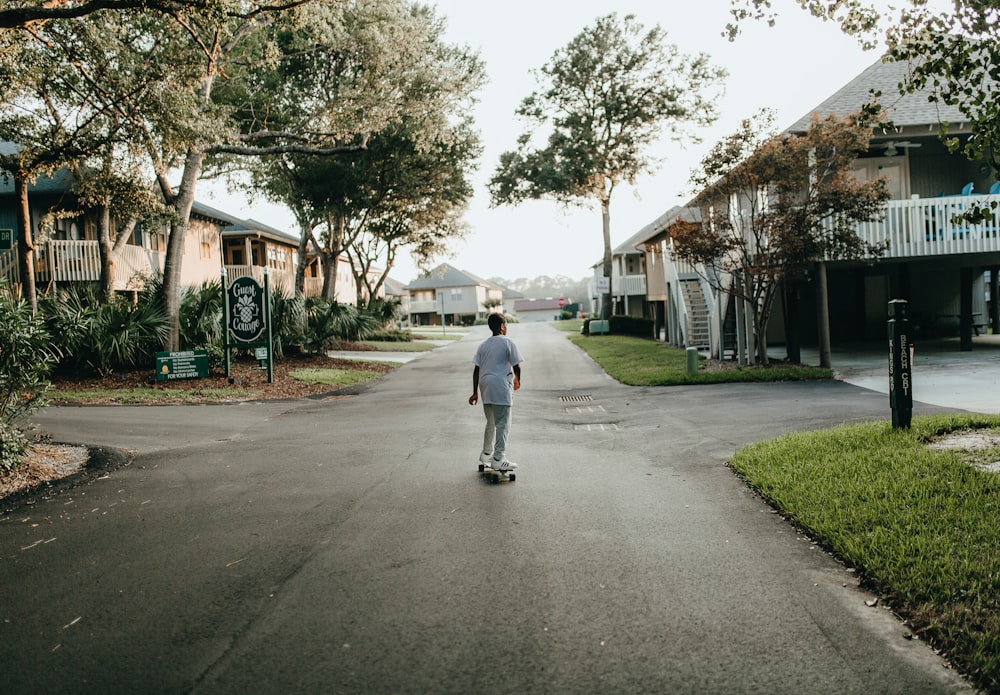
<point>380,356</point>
<point>942,374</point>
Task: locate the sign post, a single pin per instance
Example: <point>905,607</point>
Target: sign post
<point>247,316</point>
<point>900,364</point>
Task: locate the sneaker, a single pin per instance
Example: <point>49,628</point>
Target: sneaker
<point>504,465</point>
<point>486,458</point>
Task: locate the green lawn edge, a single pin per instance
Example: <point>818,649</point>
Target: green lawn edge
<point>921,525</point>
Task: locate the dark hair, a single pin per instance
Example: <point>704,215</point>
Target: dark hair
<point>495,321</point>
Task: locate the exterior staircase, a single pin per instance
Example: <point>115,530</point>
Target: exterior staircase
<point>699,333</point>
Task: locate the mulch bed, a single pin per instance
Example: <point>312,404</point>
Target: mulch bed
<point>247,378</point>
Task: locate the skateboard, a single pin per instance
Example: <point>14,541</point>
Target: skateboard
<point>495,476</point>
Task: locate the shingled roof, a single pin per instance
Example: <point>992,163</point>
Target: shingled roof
<point>903,110</point>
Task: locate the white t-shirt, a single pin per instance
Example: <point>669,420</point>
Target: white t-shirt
<point>496,358</point>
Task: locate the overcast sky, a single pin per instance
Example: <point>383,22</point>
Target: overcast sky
<point>790,68</point>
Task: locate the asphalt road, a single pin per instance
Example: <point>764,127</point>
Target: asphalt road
<point>349,546</point>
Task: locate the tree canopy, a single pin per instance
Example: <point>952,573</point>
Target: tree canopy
<point>605,99</point>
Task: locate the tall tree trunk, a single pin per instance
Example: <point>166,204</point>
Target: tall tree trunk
<point>25,243</point>
<point>303,257</point>
<point>336,225</point>
<point>107,254</point>
<point>182,204</point>
<point>606,230</point>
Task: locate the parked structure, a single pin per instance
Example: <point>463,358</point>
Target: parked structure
<point>935,262</point>
<point>452,296</point>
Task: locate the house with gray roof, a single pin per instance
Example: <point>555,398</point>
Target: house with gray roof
<point>945,268</point>
<point>452,296</point>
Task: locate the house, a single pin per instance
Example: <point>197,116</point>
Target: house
<point>539,309</point>
<point>66,245</point>
<point>452,296</point>
<point>510,300</point>
<point>628,280</point>
<point>65,236</point>
<point>937,265</point>
<point>396,290</point>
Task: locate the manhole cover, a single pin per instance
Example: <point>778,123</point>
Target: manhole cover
<point>575,399</point>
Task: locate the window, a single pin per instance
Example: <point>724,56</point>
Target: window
<point>456,294</point>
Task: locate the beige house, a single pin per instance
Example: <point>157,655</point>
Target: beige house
<point>946,270</point>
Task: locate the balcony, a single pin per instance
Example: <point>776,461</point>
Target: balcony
<point>927,227</point>
<point>80,261</point>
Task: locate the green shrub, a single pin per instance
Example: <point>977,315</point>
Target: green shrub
<point>288,321</point>
<point>391,336</point>
<point>631,325</point>
<point>200,316</point>
<point>26,360</point>
<point>104,337</point>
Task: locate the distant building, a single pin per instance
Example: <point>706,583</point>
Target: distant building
<point>528,310</point>
<point>455,296</point>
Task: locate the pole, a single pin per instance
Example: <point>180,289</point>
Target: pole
<point>270,341</point>
<point>225,324</point>
<point>900,364</point>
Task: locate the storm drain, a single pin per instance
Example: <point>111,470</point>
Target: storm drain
<point>576,399</point>
<point>597,427</point>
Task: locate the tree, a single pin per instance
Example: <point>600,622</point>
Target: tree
<point>27,12</point>
<point>772,206</point>
<point>400,189</point>
<point>609,95</point>
<point>955,54</point>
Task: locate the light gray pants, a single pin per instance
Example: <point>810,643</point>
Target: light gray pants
<point>497,428</point>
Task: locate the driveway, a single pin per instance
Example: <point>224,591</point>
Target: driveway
<point>349,546</point>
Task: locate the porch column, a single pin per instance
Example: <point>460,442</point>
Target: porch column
<point>965,310</point>
<point>823,316</point>
<point>994,322</point>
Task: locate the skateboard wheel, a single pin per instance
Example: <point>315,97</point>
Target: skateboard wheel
<point>481,468</point>
<point>512,478</point>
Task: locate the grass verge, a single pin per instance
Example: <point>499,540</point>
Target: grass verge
<point>921,525</point>
<point>140,396</point>
<point>644,362</point>
<point>398,346</point>
<point>334,377</point>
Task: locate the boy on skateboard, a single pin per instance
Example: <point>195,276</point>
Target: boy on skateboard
<point>497,375</point>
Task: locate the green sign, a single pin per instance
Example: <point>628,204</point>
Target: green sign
<point>245,299</point>
<point>6,239</point>
<point>187,364</point>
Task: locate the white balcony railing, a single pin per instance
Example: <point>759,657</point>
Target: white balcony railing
<point>80,261</point>
<point>630,285</point>
<point>927,227</point>
<point>425,307</point>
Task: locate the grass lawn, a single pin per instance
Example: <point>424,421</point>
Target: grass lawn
<point>141,395</point>
<point>644,362</point>
<point>400,345</point>
<point>921,525</point>
<point>334,377</point>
